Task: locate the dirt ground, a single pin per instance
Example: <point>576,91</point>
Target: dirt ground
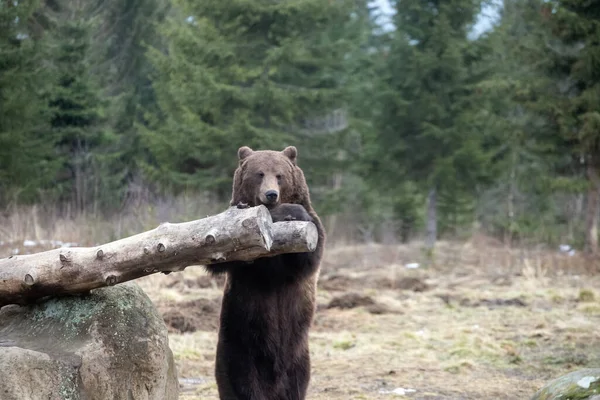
<point>474,325</point>
<point>480,322</point>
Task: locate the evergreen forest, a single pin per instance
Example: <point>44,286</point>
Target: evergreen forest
<point>409,125</point>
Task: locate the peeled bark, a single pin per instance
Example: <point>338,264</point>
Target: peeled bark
<point>234,235</point>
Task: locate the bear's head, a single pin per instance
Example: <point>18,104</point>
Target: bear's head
<point>269,177</point>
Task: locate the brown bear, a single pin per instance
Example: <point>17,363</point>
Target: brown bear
<point>268,306</point>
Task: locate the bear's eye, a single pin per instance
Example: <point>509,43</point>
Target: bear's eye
<point>279,177</point>
<point>261,174</point>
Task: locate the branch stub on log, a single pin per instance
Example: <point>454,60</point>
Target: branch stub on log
<point>29,279</point>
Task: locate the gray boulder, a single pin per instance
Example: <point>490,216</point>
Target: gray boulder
<point>580,385</point>
<point>110,344</point>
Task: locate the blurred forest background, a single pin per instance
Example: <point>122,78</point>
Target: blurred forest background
<point>117,114</point>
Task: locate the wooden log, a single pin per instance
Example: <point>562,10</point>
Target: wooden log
<point>234,235</point>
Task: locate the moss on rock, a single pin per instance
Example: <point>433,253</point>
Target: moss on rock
<point>110,343</point>
<point>577,385</point>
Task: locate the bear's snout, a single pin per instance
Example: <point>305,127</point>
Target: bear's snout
<point>271,196</point>
<point>269,193</point>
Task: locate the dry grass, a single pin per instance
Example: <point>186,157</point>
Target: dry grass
<point>56,223</point>
<point>474,331</point>
<point>480,322</point>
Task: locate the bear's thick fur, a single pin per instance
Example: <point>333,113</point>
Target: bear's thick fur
<point>268,306</point>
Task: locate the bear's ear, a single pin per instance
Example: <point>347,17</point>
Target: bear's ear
<point>244,152</point>
<point>291,153</point>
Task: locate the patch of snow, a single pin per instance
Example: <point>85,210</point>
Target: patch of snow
<point>412,265</point>
<point>398,391</point>
<point>15,252</point>
<point>45,242</point>
<point>586,381</point>
<point>421,332</point>
<point>193,381</point>
<point>566,248</point>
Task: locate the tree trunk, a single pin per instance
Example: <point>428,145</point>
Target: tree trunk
<point>336,185</point>
<point>591,243</point>
<point>431,219</point>
<point>234,235</point>
<point>512,187</point>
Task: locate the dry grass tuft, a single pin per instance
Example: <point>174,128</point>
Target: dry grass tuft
<point>35,228</point>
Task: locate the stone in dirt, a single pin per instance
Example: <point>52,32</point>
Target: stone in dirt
<point>582,385</point>
<point>191,316</point>
<point>109,344</point>
<point>354,300</point>
<point>350,300</point>
<point>335,282</point>
<point>493,303</point>
<point>414,284</point>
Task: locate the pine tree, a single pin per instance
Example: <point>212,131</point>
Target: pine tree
<point>576,107</point>
<point>25,155</point>
<point>516,132</point>
<point>425,95</point>
<point>244,72</point>
<point>120,58</point>
<point>376,206</point>
<point>85,148</point>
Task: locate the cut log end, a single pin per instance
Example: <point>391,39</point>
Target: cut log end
<point>265,227</point>
<point>312,237</point>
<point>294,237</point>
